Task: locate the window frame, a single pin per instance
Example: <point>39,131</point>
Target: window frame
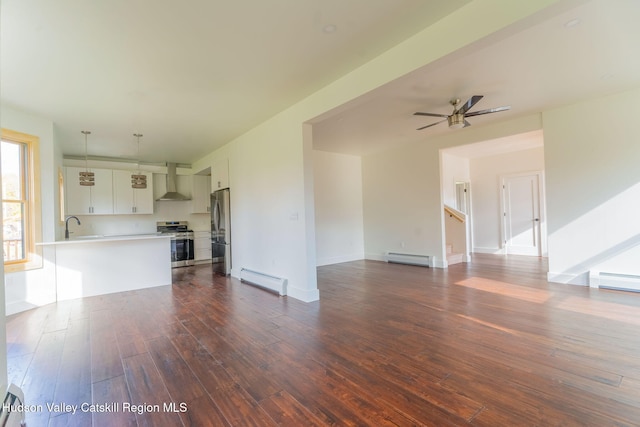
<point>33,214</point>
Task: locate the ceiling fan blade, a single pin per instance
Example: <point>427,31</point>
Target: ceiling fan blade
<point>432,124</point>
<point>490,110</point>
<point>430,114</point>
<point>467,105</point>
<point>466,124</point>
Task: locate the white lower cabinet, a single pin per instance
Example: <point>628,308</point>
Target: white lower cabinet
<point>202,246</point>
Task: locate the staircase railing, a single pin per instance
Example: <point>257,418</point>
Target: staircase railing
<point>460,216</point>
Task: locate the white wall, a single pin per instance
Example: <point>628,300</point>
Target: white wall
<point>401,191</point>
<point>271,167</point>
<point>485,193</point>
<point>592,154</point>
<point>36,287</point>
<point>338,207</point>
<point>140,224</point>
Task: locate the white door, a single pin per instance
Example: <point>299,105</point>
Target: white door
<point>521,211</point>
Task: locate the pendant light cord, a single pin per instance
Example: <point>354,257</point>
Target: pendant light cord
<point>138,135</point>
<point>86,161</point>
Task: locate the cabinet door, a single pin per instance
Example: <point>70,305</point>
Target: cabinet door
<point>143,197</point>
<point>128,200</point>
<point>220,174</point>
<point>77,197</point>
<point>81,200</point>
<point>122,192</point>
<point>202,245</point>
<point>102,192</point>
<point>201,194</point>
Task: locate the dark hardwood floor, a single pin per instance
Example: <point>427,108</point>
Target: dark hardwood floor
<point>489,343</point>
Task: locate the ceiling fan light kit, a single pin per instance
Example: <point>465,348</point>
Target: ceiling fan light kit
<point>458,118</point>
<point>456,121</point>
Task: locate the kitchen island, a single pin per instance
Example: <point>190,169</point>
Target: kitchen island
<point>97,265</point>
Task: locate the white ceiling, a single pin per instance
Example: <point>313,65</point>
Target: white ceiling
<point>555,60</point>
<point>493,147</point>
<point>189,76</point>
<point>192,78</point>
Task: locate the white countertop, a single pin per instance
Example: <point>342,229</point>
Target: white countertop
<point>99,239</point>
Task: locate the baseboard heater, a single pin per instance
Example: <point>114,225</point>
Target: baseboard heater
<point>411,259</point>
<point>12,413</point>
<point>623,282</point>
<point>265,281</point>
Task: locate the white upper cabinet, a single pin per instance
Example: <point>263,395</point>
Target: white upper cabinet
<point>201,194</point>
<point>111,194</point>
<point>94,200</point>
<point>128,200</point>
<point>220,174</point>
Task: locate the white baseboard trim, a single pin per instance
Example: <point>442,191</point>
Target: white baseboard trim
<point>581,279</point>
<point>374,257</point>
<point>19,307</point>
<point>436,262</point>
<point>304,295</point>
<point>439,262</point>
<point>492,251</point>
<point>339,259</point>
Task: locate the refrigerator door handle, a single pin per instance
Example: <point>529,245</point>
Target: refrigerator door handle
<point>216,216</point>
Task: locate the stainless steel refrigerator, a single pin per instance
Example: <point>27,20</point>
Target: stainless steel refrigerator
<point>221,232</point>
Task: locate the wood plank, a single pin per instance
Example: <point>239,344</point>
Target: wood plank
<point>181,383</point>
<point>105,356</point>
<point>108,398</point>
<point>67,419</point>
<point>74,379</point>
<point>486,343</point>
<point>148,393</point>
<point>202,412</point>
<point>287,411</point>
<point>41,378</point>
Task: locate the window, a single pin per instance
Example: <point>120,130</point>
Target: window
<point>20,201</point>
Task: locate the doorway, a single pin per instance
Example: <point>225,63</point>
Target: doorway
<point>522,225</point>
<point>463,204</point>
<point>463,201</point>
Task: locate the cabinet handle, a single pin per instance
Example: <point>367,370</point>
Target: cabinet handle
<point>219,184</point>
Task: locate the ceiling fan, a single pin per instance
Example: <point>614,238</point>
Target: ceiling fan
<point>457,119</point>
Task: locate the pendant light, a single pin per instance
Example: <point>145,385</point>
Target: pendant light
<point>87,179</point>
<point>138,180</point>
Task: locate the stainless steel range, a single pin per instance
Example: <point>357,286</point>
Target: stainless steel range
<point>181,242</point>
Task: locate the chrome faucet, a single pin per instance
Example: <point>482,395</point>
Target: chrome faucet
<point>66,226</point>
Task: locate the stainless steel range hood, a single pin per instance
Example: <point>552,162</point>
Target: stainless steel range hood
<point>172,193</point>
